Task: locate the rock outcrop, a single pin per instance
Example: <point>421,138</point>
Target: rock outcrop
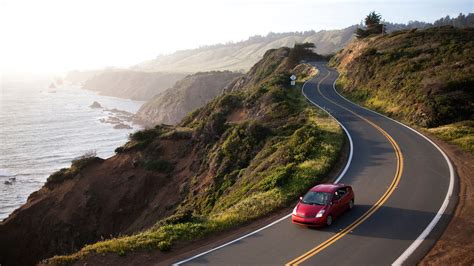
<point>188,94</point>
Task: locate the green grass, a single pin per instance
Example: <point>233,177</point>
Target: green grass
<point>460,134</point>
<point>259,165</point>
<point>158,165</point>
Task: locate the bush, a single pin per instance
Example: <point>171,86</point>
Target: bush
<point>60,176</point>
<point>82,161</point>
<point>77,165</point>
<point>144,137</point>
<point>282,79</point>
<point>158,166</point>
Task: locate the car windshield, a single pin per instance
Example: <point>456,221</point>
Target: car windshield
<point>317,198</point>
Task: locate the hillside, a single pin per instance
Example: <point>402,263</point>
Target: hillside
<point>243,155</point>
<point>130,84</point>
<point>422,77</point>
<point>79,77</point>
<point>188,94</point>
<point>241,56</point>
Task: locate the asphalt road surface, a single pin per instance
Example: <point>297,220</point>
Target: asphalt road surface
<point>403,188</point>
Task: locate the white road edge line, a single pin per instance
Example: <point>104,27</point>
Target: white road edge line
<point>233,241</point>
<point>409,251</point>
<point>351,145</point>
<point>288,215</point>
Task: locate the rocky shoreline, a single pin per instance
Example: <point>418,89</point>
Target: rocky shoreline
<point>120,119</point>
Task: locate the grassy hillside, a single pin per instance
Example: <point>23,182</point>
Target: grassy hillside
<point>245,154</point>
<point>423,77</point>
<point>188,94</point>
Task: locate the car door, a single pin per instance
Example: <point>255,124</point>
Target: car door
<point>336,204</point>
<point>346,197</point>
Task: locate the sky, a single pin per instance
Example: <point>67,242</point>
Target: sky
<point>62,35</point>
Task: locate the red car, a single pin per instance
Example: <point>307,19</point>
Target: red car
<point>322,204</point>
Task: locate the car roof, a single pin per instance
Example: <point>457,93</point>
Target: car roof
<point>327,187</point>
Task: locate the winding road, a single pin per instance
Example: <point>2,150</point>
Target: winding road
<point>404,186</point>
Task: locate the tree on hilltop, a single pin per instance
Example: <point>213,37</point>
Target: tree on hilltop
<point>301,51</point>
<point>373,25</point>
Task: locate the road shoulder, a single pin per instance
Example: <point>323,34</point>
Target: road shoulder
<point>455,246</point>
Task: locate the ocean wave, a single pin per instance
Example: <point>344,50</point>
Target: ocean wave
<point>4,173</point>
<point>49,131</point>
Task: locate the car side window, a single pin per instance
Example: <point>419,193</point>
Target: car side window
<point>341,192</point>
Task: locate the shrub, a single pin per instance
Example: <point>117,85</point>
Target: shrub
<point>282,79</point>
<point>144,137</point>
<point>162,166</point>
<point>120,149</point>
<point>77,165</point>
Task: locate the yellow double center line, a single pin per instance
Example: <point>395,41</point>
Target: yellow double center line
<point>375,207</point>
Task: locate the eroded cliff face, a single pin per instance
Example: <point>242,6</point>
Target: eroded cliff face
<point>188,94</point>
<point>132,84</point>
<point>104,198</point>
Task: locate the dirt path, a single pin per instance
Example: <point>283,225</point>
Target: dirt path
<point>456,245</point>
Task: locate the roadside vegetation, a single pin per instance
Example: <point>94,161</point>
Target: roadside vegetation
<point>422,77</point>
<point>77,165</point>
<point>258,147</point>
<point>460,133</point>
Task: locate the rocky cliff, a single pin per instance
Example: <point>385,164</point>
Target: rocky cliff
<point>188,94</point>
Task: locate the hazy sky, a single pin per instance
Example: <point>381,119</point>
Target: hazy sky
<point>60,35</point>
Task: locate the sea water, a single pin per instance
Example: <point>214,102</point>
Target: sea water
<point>42,129</point>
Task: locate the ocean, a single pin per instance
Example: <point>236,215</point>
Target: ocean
<point>42,129</point>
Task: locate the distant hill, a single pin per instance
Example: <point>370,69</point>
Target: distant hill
<point>79,77</point>
<point>131,84</point>
<point>188,94</point>
<point>240,56</point>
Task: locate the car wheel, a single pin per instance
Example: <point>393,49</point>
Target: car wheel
<point>329,220</point>
<point>351,204</point>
